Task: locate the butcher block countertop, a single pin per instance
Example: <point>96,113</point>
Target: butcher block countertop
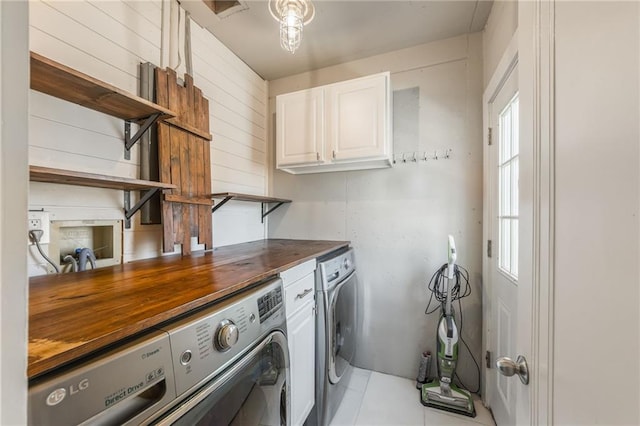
<point>74,314</point>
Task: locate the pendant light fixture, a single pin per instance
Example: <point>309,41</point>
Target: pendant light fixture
<point>292,16</point>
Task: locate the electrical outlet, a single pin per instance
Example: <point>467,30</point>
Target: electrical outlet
<point>39,220</point>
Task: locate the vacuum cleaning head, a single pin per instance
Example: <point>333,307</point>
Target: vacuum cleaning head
<point>455,401</point>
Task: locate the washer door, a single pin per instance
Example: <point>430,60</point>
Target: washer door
<point>251,392</point>
<point>341,327</point>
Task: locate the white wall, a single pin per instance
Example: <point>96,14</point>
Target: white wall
<point>398,219</point>
<point>14,83</point>
<point>500,27</point>
<point>595,200</point>
<point>238,109</point>
<point>597,321</point>
<point>108,40</point>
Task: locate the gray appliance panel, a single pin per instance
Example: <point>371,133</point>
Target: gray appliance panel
<point>121,386</point>
<point>196,334</point>
<point>334,270</point>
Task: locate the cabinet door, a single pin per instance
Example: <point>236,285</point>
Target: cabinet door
<point>300,128</point>
<point>358,118</point>
<point>302,341</point>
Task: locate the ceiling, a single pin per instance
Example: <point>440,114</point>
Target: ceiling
<point>341,30</point>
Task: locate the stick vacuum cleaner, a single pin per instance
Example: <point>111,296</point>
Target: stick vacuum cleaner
<point>442,393</point>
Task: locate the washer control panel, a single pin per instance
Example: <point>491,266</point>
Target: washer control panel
<point>205,343</point>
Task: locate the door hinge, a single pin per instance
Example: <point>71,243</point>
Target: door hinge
<point>489,248</point>
<point>487,359</point>
<point>490,135</point>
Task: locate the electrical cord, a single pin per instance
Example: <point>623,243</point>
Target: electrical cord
<point>179,57</point>
<point>438,286</point>
<point>35,235</point>
<point>470,353</point>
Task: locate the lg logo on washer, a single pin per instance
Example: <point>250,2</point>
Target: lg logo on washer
<point>58,395</point>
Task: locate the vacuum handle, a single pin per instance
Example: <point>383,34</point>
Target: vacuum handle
<point>449,323</point>
<point>451,258</point>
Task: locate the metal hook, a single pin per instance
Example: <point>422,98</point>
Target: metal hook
<point>435,154</point>
<point>404,160</point>
<point>414,159</point>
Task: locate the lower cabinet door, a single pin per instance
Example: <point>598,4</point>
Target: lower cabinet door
<point>302,342</point>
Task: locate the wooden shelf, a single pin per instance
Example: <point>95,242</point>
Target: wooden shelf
<point>246,197</point>
<point>265,201</point>
<point>69,177</point>
<point>58,80</point>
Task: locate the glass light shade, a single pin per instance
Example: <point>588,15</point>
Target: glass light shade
<point>291,28</point>
<point>292,15</point>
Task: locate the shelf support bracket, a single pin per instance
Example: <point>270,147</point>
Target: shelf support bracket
<point>220,204</point>
<point>266,210</point>
<point>130,211</point>
<point>129,141</point>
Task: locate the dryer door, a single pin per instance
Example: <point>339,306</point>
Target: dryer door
<point>342,327</point>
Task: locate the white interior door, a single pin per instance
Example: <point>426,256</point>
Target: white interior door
<point>503,166</point>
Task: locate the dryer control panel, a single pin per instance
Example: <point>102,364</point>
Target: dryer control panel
<point>336,269</point>
<point>269,304</point>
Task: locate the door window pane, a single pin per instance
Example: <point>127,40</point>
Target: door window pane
<point>508,194</point>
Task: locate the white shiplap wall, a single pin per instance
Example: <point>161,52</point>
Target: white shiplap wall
<point>108,40</point>
<point>238,110</point>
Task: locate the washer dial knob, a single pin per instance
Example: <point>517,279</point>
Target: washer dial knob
<point>346,264</point>
<point>226,336</point>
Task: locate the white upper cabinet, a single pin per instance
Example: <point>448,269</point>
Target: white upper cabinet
<point>337,127</point>
<point>300,135</point>
<point>358,118</point>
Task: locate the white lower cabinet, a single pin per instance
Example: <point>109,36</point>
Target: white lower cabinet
<point>299,296</point>
<point>301,335</point>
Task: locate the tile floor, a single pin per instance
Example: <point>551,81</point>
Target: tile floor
<point>380,399</point>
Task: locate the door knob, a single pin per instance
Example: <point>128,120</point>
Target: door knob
<point>508,368</point>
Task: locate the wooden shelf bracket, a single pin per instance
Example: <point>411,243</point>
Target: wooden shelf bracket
<point>130,141</point>
<point>264,201</point>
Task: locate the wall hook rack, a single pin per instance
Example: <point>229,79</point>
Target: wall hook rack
<point>422,156</point>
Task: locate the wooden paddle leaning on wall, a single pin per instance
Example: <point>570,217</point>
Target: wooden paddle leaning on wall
<point>184,157</point>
